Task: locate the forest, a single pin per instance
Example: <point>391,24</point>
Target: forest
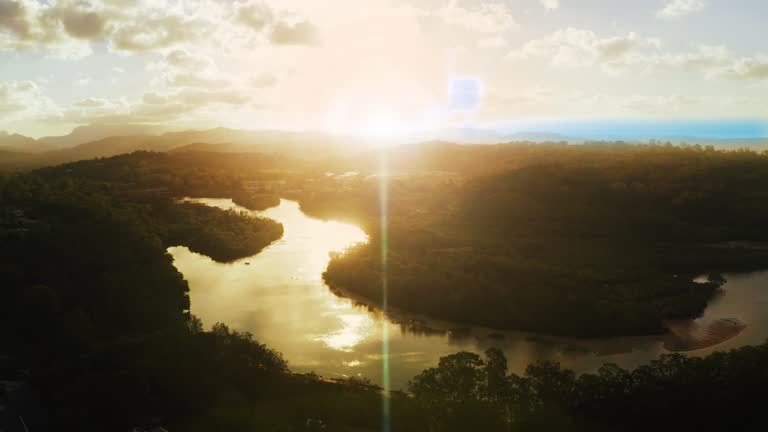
<point>468,392</point>
<point>94,317</point>
<point>576,240</point>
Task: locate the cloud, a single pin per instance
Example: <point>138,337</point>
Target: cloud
<point>751,68</point>
<point>492,42</point>
<point>13,17</point>
<point>183,59</point>
<point>28,25</point>
<point>551,4</point>
<point>486,17</point>
<point>263,80</point>
<point>583,48</point>
<point>659,104</point>
<point>704,58</point>
<point>574,47</point>
<point>152,108</point>
<point>196,80</point>
<point>256,15</point>
<point>200,98</point>
<point>296,33</point>
<point>80,22</point>
<point>91,103</point>
<point>181,68</point>
<point>679,8</point>
<point>144,35</point>
<point>68,28</point>
<point>20,99</point>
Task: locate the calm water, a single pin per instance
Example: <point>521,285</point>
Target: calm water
<point>279,296</point>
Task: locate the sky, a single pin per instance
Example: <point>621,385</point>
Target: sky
<point>383,67</point>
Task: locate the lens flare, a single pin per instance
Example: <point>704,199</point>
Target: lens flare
<point>383,201</point>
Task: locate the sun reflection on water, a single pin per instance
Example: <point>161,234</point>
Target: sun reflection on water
<point>355,329</point>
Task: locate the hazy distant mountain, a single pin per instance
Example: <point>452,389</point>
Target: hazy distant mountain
<point>20,143</point>
<point>88,133</point>
<point>487,136</point>
<point>718,142</point>
<point>18,150</point>
<point>302,145</point>
<point>305,145</point>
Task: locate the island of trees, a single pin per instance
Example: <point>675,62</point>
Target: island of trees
<point>590,240</point>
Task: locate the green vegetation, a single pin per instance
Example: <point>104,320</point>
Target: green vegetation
<point>149,185</point>
<point>576,240</point>
<point>222,235</point>
<point>467,392</point>
<point>96,318</point>
<point>256,201</point>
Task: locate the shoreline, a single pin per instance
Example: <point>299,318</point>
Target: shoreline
<point>670,341</point>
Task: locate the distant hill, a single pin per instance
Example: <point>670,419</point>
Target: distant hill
<point>302,145</point>
<point>88,133</point>
<point>20,143</point>
<point>20,152</point>
<point>78,136</point>
<point>486,136</point>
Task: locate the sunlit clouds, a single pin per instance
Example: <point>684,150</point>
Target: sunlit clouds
<point>679,8</point>
<point>382,68</point>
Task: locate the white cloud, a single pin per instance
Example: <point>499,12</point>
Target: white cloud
<point>583,48</point>
<point>255,14</point>
<point>68,28</point>
<point>20,99</point>
<point>679,8</point>
<point>262,81</point>
<point>492,42</point>
<point>487,17</point>
<point>183,59</point>
<point>152,108</point>
<point>293,33</point>
<point>752,68</point>
<point>92,103</point>
<point>659,104</point>
<point>704,57</point>
<point>551,4</point>
<point>575,47</point>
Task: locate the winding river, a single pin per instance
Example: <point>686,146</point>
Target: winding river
<point>279,296</point>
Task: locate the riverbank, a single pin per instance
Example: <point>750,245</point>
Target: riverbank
<point>681,336</point>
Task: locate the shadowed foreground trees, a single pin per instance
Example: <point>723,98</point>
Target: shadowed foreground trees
<point>96,318</point>
<point>722,391</point>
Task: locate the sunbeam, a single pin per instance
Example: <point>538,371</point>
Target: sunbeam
<point>383,200</point>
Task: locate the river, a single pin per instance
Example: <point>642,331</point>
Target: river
<point>279,296</point>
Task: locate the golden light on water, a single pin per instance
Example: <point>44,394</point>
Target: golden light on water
<point>355,329</point>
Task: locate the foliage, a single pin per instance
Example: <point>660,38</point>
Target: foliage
<point>577,240</point>
<point>673,392</point>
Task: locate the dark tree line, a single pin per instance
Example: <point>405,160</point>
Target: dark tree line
<point>577,240</point>
<point>722,391</point>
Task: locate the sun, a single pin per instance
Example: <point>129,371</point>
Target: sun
<point>383,123</point>
<point>376,123</point>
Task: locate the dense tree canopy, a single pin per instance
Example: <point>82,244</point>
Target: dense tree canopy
<point>96,319</point>
<point>578,240</point>
<point>674,393</point>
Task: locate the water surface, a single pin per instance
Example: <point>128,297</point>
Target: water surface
<point>280,297</point>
